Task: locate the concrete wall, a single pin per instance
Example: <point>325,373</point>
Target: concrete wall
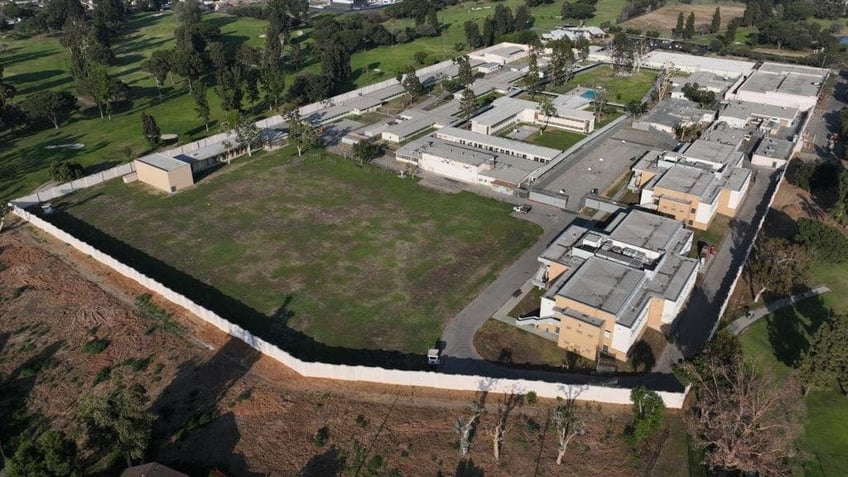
<point>457,382</point>
<point>69,187</point>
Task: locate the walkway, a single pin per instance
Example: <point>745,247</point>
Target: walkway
<point>740,324</point>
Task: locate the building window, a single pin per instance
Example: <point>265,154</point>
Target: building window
<point>690,222</point>
<point>605,348</point>
<point>692,211</point>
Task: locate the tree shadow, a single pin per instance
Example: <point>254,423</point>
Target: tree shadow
<point>190,432</point>
<point>327,463</point>
<point>15,418</point>
<point>642,356</point>
<point>791,329</point>
<point>467,468</point>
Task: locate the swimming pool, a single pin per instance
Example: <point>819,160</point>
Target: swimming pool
<point>589,94</point>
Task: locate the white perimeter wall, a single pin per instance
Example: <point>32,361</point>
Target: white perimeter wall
<point>457,382</point>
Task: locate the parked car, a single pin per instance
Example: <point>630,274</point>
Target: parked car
<point>522,209</point>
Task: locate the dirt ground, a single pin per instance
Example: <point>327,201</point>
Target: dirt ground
<point>53,300</point>
<point>665,19</point>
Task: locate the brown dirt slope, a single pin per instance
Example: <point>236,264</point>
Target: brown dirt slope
<point>264,417</point>
<point>665,19</point>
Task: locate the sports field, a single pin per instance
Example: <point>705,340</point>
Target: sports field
<point>312,249</point>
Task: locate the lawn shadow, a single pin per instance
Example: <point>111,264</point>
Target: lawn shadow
<point>191,432</point>
<point>16,388</point>
<point>791,329</point>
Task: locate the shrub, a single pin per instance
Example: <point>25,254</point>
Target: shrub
<point>829,243</point>
<point>66,171</point>
<point>321,437</point>
<point>531,397</point>
<point>361,421</point>
<point>104,374</point>
<point>95,346</point>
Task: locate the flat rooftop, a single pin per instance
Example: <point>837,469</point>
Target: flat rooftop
<point>785,83</point>
<point>160,161</point>
<point>746,110</point>
<point>689,180</point>
<point>645,230</point>
<point>774,148</point>
<point>672,112</point>
<point>712,152</point>
<point>602,284</point>
<point>516,147</point>
<point>686,62</point>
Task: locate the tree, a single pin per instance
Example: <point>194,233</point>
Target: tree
<point>622,53</point>
<point>158,65</point>
<point>522,20</point>
<point>777,265</point>
<point>108,16</point>
<point>420,57</point>
<point>188,64</point>
<point>466,429</point>
<point>465,76</point>
<point>201,103</point>
<point>678,30</point>
<point>301,133</point>
<point>745,421</point>
<point>335,62</point>
<point>468,104</point>
<point>534,81</point>
<point>568,426</point>
<point>825,361</point>
<point>693,92</point>
<point>562,61</point>
<point>730,33</point>
<point>150,129</point>
<point>648,411</point>
<point>599,103</point>
<point>52,454</point>
<point>365,151</point>
<point>829,243</point>
<point>578,10</point>
<point>689,31</point>
<point>412,84</point>
<point>715,24</point>
<point>472,34</point>
<point>120,419</point>
<point>548,110</point>
<point>505,407</point>
<point>245,130</point>
<point>52,106</point>
<point>66,171</point>
<point>488,32</point>
<point>273,81</point>
<point>57,12</point>
<point>229,87</point>
<point>636,108</point>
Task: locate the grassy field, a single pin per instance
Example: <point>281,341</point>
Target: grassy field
<point>497,341</point>
<point>621,89</point>
<point>664,19</point>
<point>556,139</point>
<point>314,248</point>
<point>774,343</point>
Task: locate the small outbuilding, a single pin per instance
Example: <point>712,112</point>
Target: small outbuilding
<point>163,172</point>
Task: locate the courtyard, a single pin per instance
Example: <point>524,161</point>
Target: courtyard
<point>315,253</point>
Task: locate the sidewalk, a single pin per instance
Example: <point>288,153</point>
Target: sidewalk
<point>740,324</point>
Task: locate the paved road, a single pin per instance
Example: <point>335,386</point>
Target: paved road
<point>458,335</point>
<point>693,325</point>
<point>826,118</point>
<point>740,324</point>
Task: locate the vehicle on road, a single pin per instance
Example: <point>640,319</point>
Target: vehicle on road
<point>522,209</point>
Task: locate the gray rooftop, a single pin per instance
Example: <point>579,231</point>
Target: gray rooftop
<point>786,83</point>
<point>645,230</point>
<point>712,152</point>
<point>706,80</point>
<point>516,147</point>
<point>602,284</point>
<point>674,112</point>
<point>747,110</point>
<point>162,162</point>
<point>722,133</point>
<point>689,180</point>
<point>774,148</point>
<point>783,68</point>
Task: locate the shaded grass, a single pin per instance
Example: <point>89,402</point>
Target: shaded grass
<point>497,341</point>
<point>775,342</point>
<point>349,256</point>
<point>556,139</point>
<point>714,234</point>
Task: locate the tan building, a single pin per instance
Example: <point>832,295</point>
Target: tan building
<point>163,172</point>
<point>607,284</point>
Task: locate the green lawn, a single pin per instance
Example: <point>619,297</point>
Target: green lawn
<point>349,256</point>
<point>774,343</point>
<point>713,235</point>
<point>556,139</point>
<point>621,89</point>
<point>42,63</point>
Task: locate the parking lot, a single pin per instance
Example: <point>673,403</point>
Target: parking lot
<point>595,167</point>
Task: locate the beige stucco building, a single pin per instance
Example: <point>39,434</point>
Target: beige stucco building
<point>163,172</point>
<point>607,283</point>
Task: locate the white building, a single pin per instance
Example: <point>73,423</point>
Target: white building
<point>498,144</point>
<point>502,53</point>
<point>507,111</point>
<point>739,114</point>
<point>772,152</point>
<point>788,86</point>
<point>659,60</point>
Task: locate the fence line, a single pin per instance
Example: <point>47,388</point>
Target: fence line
<point>456,382</point>
<point>69,187</point>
